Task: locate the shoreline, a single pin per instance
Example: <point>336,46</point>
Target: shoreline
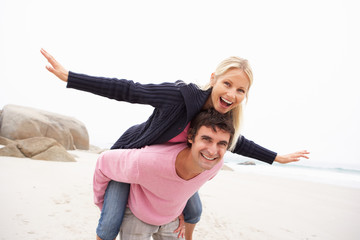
<point>336,177</point>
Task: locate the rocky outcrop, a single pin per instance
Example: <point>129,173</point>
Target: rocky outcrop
<point>39,148</point>
<point>5,141</point>
<point>247,163</point>
<point>11,150</point>
<point>18,122</point>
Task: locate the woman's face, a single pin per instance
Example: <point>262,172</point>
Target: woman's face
<point>229,90</point>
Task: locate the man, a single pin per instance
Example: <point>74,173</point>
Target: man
<point>163,177</point>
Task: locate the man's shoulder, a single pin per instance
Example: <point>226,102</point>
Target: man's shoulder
<point>158,158</point>
<point>164,148</point>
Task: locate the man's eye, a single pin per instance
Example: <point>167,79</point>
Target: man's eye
<point>223,144</point>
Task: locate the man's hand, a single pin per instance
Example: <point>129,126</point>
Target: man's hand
<point>292,157</point>
<point>181,227</point>
<point>55,67</point>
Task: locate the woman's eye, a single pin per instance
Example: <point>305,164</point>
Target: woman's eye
<point>241,90</point>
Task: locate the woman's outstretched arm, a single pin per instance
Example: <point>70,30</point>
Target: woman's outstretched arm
<point>250,149</point>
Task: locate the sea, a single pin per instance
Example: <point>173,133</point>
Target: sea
<point>323,173</point>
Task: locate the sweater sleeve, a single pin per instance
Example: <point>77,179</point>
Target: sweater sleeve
<point>118,165</point>
<point>155,95</point>
<point>250,149</point>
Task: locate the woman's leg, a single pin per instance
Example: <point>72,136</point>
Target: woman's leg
<point>115,201</point>
<point>192,214</point>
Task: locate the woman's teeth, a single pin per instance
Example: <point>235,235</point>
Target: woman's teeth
<point>226,101</point>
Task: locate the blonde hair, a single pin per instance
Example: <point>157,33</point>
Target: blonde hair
<point>237,112</point>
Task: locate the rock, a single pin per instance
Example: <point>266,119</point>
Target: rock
<point>247,163</point>
<point>33,146</point>
<point>19,122</point>
<point>5,141</point>
<point>11,150</point>
<point>55,153</point>
<point>96,149</point>
<point>38,148</point>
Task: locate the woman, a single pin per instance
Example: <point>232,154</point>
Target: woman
<point>175,104</point>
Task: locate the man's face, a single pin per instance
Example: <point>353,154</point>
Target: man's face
<point>209,147</point>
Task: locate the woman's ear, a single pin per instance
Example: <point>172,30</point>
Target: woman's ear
<point>212,79</point>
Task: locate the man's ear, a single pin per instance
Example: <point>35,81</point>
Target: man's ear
<point>190,138</point>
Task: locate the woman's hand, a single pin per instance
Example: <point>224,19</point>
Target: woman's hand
<point>292,157</point>
<point>55,67</point>
<point>181,227</point>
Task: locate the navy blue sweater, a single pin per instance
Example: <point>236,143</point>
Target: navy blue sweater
<point>175,105</point>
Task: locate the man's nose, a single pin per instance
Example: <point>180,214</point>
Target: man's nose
<point>212,149</point>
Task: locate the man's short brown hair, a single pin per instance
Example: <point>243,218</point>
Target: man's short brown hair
<point>214,119</point>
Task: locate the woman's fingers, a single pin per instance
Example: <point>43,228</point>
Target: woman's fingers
<point>55,68</point>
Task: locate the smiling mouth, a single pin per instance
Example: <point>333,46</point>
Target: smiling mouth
<point>225,102</point>
<point>208,158</point>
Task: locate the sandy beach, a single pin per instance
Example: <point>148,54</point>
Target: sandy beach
<point>54,200</point>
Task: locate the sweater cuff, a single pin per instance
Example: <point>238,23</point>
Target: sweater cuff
<point>74,80</point>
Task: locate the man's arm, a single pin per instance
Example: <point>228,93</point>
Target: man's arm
<point>118,165</point>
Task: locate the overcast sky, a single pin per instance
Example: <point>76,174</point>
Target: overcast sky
<point>304,54</point>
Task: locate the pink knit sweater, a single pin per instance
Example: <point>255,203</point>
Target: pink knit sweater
<point>157,194</point>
